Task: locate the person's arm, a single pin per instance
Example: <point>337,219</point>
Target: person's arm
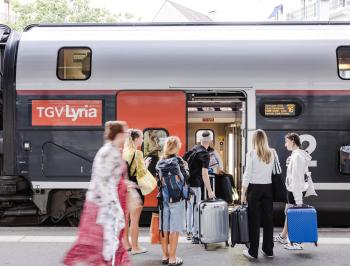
<point>141,168</point>
<point>205,175</point>
<point>247,177</point>
<point>298,182</point>
<point>206,180</point>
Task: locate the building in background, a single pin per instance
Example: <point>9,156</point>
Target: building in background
<point>173,12</point>
<point>311,10</point>
<point>5,11</point>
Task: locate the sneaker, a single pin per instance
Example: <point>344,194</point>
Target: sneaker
<point>265,254</point>
<point>246,254</point>
<point>279,238</point>
<point>295,246</point>
<point>195,240</point>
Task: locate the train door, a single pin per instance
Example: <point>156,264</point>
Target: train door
<point>159,114</point>
<point>223,115</point>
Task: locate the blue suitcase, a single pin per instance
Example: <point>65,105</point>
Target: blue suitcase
<point>302,224</point>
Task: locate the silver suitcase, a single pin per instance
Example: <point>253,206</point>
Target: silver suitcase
<point>213,221</point>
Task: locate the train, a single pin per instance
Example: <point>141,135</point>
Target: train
<point>61,82</point>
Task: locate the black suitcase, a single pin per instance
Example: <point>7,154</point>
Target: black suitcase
<point>223,188</point>
<point>239,226</point>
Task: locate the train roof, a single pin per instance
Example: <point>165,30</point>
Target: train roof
<point>187,55</point>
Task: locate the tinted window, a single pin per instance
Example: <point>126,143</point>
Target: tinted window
<point>153,143</point>
<point>74,63</point>
<point>343,57</point>
<point>344,159</point>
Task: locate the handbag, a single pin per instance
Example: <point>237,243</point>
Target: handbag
<point>154,229</point>
<point>146,183</point>
<point>279,190</point>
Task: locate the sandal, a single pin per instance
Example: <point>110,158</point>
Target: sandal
<point>178,261</point>
<point>165,261</point>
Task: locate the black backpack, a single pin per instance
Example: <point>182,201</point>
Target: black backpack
<point>192,154</point>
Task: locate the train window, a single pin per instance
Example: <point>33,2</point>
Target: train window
<point>153,142</point>
<point>200,132</point>
<point>74,63</point>
<point>344,159</point>
<point>280,109</point>
<point>343,58</point>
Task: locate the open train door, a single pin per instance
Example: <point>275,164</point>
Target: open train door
<point>158,114</point>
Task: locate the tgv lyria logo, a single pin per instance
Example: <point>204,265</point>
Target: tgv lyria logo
<point>66,112</point>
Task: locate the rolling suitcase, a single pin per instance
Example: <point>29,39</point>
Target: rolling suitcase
<point>213,221</point>
<point>239,226</point>
<point>302,224</point>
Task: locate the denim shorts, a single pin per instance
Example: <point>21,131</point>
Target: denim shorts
<point>173,217</point>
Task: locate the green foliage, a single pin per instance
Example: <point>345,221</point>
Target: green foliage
<point>61,11</point>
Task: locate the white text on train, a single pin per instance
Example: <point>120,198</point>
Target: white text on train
<point>68,112</point>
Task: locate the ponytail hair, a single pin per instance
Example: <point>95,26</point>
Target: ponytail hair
<point>133,134</point>
<point>294,137</point>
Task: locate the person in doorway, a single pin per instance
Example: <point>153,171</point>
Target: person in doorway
<point>216,166</point>
<point>172,172</point>
<point>297,163</point>
<point>102,221</point>
<point>137,167</point>
<point>257,191</point>
<point>198,163</point>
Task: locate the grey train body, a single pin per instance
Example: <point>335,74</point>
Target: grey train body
<point>45,170</point>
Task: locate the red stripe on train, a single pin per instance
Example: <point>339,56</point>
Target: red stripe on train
<point>303,92</point>
<point>66,92</point>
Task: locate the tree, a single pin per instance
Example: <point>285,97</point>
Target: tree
<point>61,11</point>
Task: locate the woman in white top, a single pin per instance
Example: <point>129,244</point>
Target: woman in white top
<point>297,164</point>
<point>257,188</point>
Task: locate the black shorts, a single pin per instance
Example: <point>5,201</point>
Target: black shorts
<point>290,197</point>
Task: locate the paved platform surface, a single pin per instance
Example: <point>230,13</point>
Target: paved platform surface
<point>46,246</point>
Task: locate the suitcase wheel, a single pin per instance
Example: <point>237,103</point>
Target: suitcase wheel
<point>205,246</point>
<point>226,243</point>
<point>316,244</point>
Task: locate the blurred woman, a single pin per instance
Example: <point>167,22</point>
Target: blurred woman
<point>102,221</point>
<point>257,188</point>
<point>137,167</point>
<point>172,172</point>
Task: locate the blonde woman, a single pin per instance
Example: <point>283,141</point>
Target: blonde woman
<point>137,167</point>
<point>172,172</point>
<point>257,189</point>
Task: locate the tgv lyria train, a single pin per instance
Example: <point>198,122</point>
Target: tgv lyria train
<point>60,83</point>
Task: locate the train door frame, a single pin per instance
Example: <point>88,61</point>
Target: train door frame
<point>248,116</point>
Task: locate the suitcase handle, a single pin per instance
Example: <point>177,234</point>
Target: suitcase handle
<point>302,206</point>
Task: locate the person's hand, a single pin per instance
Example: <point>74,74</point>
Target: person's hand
<point>147,161</point>
<point>243,199</point>
<point>211,194</point>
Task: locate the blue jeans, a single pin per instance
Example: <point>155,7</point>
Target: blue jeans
<point>193,227</point>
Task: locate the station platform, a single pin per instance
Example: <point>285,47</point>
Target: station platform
<point>46,246</point>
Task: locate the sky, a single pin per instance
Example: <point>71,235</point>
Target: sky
<point>224,10</point>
